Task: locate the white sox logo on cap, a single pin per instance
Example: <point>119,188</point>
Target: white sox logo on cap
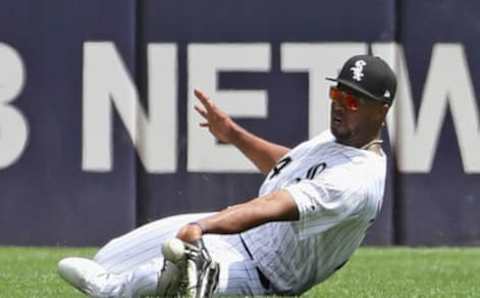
<point>358,70</point>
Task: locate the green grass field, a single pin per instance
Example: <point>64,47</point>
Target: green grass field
<point>372,272</point>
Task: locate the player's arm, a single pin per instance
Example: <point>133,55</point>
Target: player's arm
<point>276,206</point>
<point>262,153</point>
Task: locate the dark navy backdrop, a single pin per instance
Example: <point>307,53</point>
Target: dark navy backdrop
<point>441,207</point>
<point>45,196</point>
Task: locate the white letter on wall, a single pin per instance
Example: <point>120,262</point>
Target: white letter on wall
<point>448,84</point>
<point>106,84</point>
<point>204,63</point>
<point>320,61</point>
<point>13,125</point>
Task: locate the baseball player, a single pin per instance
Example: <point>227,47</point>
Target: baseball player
<point>313,209</point>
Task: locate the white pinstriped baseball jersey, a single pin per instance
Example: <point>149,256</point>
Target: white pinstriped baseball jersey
<point>338,190</point>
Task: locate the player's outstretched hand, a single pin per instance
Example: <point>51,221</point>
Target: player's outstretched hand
<point>217,121</point>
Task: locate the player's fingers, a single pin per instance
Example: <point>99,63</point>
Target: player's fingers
<point>207,102</point>
<point>201,111</point>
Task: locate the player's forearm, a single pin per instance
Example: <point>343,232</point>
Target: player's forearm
<point>262,153</point>
<point>277,206</point>
<point>230,221</point>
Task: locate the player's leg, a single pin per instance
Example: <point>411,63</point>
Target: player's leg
<point>143,244</point>
<point>134,261</point>
<point>128,264</point>
<point>238,272</point>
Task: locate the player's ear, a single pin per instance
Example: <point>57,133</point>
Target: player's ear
<point>386,107</point>
<point>383,113</point>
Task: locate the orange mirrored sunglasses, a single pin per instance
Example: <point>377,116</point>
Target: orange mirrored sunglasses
<point>350,101</point>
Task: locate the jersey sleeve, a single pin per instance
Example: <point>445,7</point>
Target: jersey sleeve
<point>326,201</point>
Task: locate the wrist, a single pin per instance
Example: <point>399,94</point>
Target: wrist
<point>237,134</point>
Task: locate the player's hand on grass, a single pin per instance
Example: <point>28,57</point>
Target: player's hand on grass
<point>217,121</point>
<point>190,233</point>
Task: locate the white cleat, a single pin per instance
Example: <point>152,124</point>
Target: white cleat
<point>90,278</point>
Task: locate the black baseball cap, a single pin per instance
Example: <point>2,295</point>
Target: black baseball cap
<point>370,76</point>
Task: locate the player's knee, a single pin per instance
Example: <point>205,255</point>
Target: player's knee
<point>105,251</point>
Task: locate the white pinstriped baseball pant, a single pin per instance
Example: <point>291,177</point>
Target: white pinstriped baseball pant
<point>238,272</point>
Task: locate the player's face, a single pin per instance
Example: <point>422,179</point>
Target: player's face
<point>354,120</point>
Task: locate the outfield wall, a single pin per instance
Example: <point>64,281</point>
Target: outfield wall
<point>98,134</point>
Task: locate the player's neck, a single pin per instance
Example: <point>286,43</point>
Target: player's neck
<point>372,143</point>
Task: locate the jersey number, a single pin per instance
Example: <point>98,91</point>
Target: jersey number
<point>316,169</point>
<point>279,166</point>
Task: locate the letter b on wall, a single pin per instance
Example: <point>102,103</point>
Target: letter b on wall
<point>13,125</point>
